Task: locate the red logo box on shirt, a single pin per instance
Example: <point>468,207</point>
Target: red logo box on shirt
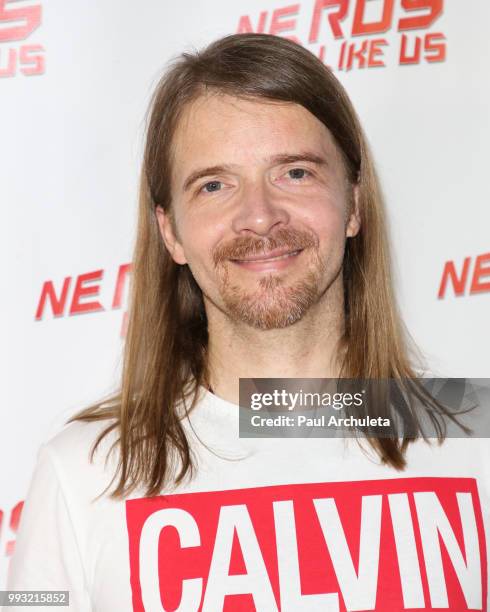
<point>384,545</point>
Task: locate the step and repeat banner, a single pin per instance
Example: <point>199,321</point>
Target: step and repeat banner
<point>75,81</point>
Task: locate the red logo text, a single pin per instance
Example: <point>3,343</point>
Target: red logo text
<point>384,545</point>
<point>347,34</point>
<point>467,278</point>
<point>80,295</point>
<point>17,23</point>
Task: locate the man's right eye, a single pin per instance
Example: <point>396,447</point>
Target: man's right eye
<point>211,186</point>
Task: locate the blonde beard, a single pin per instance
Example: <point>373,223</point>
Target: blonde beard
<point>272,305</point>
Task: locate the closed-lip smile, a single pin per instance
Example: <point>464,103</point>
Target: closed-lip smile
<point>270,256</point>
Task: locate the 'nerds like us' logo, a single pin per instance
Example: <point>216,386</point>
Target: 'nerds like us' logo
<point>358,34</point>
<point>18,20</point>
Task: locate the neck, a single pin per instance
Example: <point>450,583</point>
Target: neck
<point>307,349</point>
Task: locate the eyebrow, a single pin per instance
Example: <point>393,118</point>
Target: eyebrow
<point>281,158</point>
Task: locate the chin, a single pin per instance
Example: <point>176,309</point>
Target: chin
<point>273,306</point>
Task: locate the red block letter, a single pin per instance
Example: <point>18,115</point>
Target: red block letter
<point>421,21</point>
<point>333,18</point>
<point>81,291</point>
<point>14,524</point>
<point>415,57</point>
<point>36,61</point>
<point>57,305</point>
<point>279,25</point>
<point>374,51</point>
<point>9,70</point>
<point>458,283</point>
<point>120,282</point>
<point>479,271</point>
<point>30,16</point>
<point>360,28</point>
<point>439,48</point>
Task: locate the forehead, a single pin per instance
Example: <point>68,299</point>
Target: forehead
<point>219,129</point>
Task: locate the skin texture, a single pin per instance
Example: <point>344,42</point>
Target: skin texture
<point>278,318</point>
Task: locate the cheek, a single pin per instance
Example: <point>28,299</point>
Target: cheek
<point>199,241</point>
<point>327,220</point>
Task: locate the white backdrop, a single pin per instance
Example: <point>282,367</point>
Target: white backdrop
<point>70,146</point>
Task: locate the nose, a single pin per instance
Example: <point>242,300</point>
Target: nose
<point>258,211</point>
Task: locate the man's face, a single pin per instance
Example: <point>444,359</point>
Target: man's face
<point>261,208</point>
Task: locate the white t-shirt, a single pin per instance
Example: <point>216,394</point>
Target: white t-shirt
<point>266,524</point>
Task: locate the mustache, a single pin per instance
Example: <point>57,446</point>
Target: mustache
<point>292,239</point>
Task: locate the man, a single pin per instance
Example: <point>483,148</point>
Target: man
<point>261,252</point>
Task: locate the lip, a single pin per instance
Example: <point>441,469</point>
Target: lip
<point>274,261</point>
<point>270,256</point>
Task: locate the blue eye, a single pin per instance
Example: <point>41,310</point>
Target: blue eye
<point>297,173</point>
<point>213,186</point>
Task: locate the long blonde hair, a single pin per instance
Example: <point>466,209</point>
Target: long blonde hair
<point>165,349</point>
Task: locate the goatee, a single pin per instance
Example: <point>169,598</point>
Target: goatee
<point>275,303</point>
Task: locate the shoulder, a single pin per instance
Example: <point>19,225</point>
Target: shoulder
<point>78,437</point>
<point>463,457</point>
<point>71,454</point>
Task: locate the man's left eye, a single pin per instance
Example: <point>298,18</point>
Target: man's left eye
<point>212,186</point>
<point>298,173</point>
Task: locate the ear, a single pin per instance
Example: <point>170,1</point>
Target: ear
<point>169,235</point>
<point>354,223</point>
